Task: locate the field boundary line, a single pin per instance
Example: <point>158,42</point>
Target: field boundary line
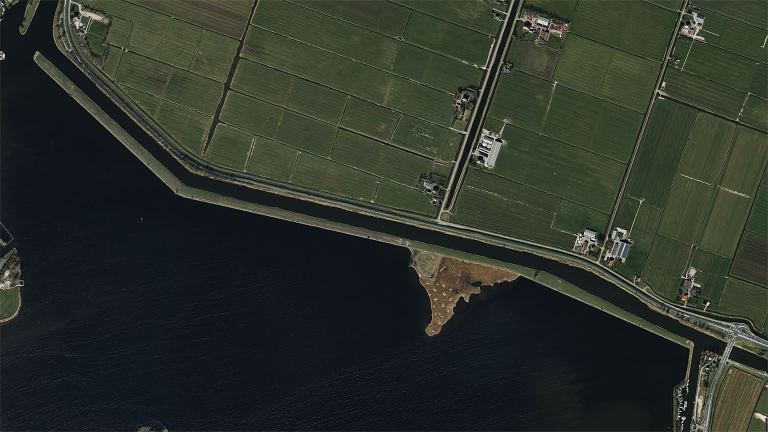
<point>731,18</point>
<point>514,200</point>
<point>442,19</point>
<point>694,179</point>
<point>408,21</point>
<point>343,111</point>
<point>714,114</point>
<point>170,65</point>
<point>295,164</point>
<point>164,100</point>
<point>197,48</point>
<point>394,129</point>
<point>623,50</point>
<point>376,191</point>
<point>250,153</point>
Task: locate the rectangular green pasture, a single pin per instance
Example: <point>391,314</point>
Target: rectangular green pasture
<point>659,154</point>
<point>562,9</point>
<point>510,190</point>
<point>560,169</point>
<point>329,176</point>
<point>711,273</point>
<point>641,220</point>
<point>272,160</point>
<point>628,21</point>
<point>447,38</point>
<point>214,56</point>
<point>147,30</point>
<point>685,210</point>
<point>669,4</point>
<point>348,76</point>
<point>403,198</point>
<point>118,32</point>
<point>492,213</point>
<point>574,217</point>
<point>592,124</point>
<point>707,147</point>
<point>379,159</point>
<point>98,28</point>
<point>522,100</point>
<point>724,223</point>
<point>286,90</point>
<point>370,119</point>
<point>176,85</point>
<point>179,44</point>
<point>475,14</point>
<point>278,123</point>
<point>755,113</point>
<point>365,46</point>
<point>703,93</point>
<point>758,217</point>
<point>751,260</point>
<point>743,299</point>
<point>534,59</point>
<point>493,124</point>
<point>96,45</point>
<point>719,65</point>
<point>759,86</point>
<point>114,54</point>
<point>665,266</point>
<point>746,162</point>
<point>380,16</point>
<point>605,72</point>
<point>229,147</point>
<point>753,12</point>
<point>189,128</point>
<point>734,36</point>
<point>426,139</point>
<point>229,17</point>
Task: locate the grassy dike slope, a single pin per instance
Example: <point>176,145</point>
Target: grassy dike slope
<point>10,299</point>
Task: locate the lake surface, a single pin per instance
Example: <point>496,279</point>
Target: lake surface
<point>140,305</point>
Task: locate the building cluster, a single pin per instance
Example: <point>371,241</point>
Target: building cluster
<point>464,103</point>
<point>542,27</point>
<point>586,242</point>
<point>693,26</point>
<point>619,247</point>
<point>488,148</point>
<point>435,186</point>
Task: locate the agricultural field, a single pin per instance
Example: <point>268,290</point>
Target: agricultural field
<point>754,12</point>
<point>533,59</point>
<point>468,13</point>
<point>706,148</point>
<point>736,400</point>
<point>719,65</point>
<point>512,191</point>
<point>758,218</point>
<point>641,220</point>
<point>685,209</point>
<point>400,197</point>
<point>759,86</point>
<point>522,100</point>
<point>722,227</point>
<point>448,39</point>
<point>229,17</point>
<point>711,273</point>
<point>230,147</point>
<point>731,35</point>
<point>666,265</point>
<point>380,16</point>
<point>755,113</point>
<point>695,90</point>
<point>562,9</point>
<point>271,159</point>
<point>746,162</point>
<point>751,260</point>
<point>572,217</point>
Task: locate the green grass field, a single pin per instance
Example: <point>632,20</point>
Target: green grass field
<point>272,160</point>
<point>659,154</point>
<point>565,9</point>
<point>642,220</point>
<point>348,76</point>
<point>98,28</point>
<point>10,300</point>
<point>380,16</point>
<point>370,48</point>
<point>426,139</point>
<point>522,100</point>
<point>112,62</point>
<point>329,176</point>
<point>669,4</point>
<point>574,217</point>
<point>214,56</point>
<point>751,260</point>
<point>734,36</point>
<point>711,273</point>
<point>447,38</point>
<point>468,13</point>
<point>721,66</point>
<point>147,29</point>
<point>758,218</point>
<point>379,159</point>
<point>288,91</point>
<point>188,127</point>
<point>592,124</point>
<point>759,85</point>
<point>703,93</point>
<point>724,223</point>
<point>510,190</point>
<point>645,29</point>
<point>707,147</point>
<point>753,12</point>
<point>403,198</point>
<point>229,147</point>
<point>747,161</point>
<point>605,72</point>
<point>741,298</point>
<point>755,113</point>
<point>665,266</point>
<point>179,44</point>
<point>118,32</point>
<point>229,17</point>
<point>277,123</point>
<point>96,45</point>
<point>369,119</point>
<point>560,169</point>
<point>686,208</point>
<point>528,57</point>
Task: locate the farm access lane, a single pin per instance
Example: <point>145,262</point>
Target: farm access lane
<point>713,385</point>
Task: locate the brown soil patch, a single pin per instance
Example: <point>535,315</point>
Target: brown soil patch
<point>452,279</point>
<point>736,401</point>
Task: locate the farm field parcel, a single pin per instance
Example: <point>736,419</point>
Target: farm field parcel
<point>638,144</point>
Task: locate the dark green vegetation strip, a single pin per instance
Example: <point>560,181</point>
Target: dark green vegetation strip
<point>370,48</point>
<point>380,16</point>
<point>746,162</point>
<point>403,198</point>
<point>96,45</point>
<point>329,176</point>
<point>643,219</point>
<point>751,260</point>
<point>665,266</point>
<point>272,160</point>
<point>755,113</point>
<point>659,153</point>
<point>758,218</point>
<point>605,72</point>
<point>214,56</point>
<point>564,9</point>
<point>189,128</point>
<point>706,148</point>
<point>278,123</point>
<point>169,83</point>
<point>449,39</point>
<point>741,298</point>
<point>560,169</point>
<point>753,12</point>
<point>522,100</point>
<point>98,28</point>
<point>685,210</point>
<point>719,65</point>
<point>711,273</point>
<point>426,139</point>
<point>638,27</point>
<point>510,190</point>
<point>574,217</point>
<point>703,93</point>
<point>229,147</point>
<point>725,221</point>
<point>288,91</point>
<point>229,17</point>
<point>370,119</point>
<point>348,76</point>
<point>669,4</point>
<point>534,59</point>
<point>379,159</point>
<point>468,13</point>
<point>735,36</point>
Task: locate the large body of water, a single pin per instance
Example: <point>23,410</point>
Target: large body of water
<point>140,305</point>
